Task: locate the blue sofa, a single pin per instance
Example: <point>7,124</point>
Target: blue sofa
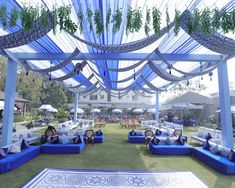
<point>136,139</point>
<point>217,162</point>
<point>97,139</point>
<point>13,161</point>
<point>49,148</point>
<point>174,149</point>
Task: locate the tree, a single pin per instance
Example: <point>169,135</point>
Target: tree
<point>3,63</point>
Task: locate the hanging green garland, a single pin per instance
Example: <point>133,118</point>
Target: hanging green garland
<point>167,20</point>
<point>98,23</point>
<point>147,23</point>
<point>55,16</point>
<point>177,22</point>
<point>196,20</point>
<point>129,21</point>
<point>117,20</point>
<point>28,16</point>
<point>80,18</point>
<point>137,19</point>
<point>14,17</point>
<point>89,15</point>
<point>226,21</point>
<point>205,20</point>
<point>216,19</point>
<point>233,20</point>
<point>3,15</point>
<point>44,17</point>
<point>108,18</point>
<point>156,14</point>
<point>190,24</point>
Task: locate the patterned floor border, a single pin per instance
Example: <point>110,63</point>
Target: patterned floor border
<point>81,178</point>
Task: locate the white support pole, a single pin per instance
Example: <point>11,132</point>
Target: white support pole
<point>157,107</point>
<point>225,106</point>
<point>10,90</point>
<point>75,107</point>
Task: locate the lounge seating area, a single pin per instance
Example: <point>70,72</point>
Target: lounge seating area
<point>28,135</point>
<point>216,136</point>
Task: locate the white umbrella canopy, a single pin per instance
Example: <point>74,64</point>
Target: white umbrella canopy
<point>79,111</point>
<point>138,111</point>
<point>48,108</point>
<point>117,111</point>
<point>95,110</point>
<point>151,110</point>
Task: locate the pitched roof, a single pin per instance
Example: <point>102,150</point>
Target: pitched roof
<point>191,97</point>
<point>17,99</point>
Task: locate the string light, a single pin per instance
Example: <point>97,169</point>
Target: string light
<point>210,74</point>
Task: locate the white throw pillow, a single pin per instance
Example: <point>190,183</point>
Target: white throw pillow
<point>15,148</point>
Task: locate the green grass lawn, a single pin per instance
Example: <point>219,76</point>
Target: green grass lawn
<point>116,153</point>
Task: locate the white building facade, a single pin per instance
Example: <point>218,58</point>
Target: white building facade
<point>104,100</point>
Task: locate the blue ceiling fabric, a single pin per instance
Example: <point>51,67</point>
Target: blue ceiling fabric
<point>83,83</point>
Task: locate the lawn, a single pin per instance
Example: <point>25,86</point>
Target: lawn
<point>117,153</point>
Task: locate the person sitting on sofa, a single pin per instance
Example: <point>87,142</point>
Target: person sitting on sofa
<point>50,131</point>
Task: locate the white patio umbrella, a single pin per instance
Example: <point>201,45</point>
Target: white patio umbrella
<point>232,109</point>
<point>79,111</point>
<point>95,110</point>
<point>138,111</point>
<point>117,111</point>
<point>47,108</point>
<point>151,110</point>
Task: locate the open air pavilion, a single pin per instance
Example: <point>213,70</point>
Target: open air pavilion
<point>101,55</point>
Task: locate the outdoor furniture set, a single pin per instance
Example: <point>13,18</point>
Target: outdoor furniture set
<point>20,151</point>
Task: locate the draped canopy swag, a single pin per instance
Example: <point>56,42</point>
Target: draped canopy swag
<point>35,22</point>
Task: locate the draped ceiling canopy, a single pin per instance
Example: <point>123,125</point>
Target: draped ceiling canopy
<point>116,62</point>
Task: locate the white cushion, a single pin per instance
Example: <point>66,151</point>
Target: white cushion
<point>15,148</point>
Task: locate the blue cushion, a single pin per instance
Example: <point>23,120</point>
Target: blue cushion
<point>158,132</point>
<point>155,141</point>
<point>24,144</point>
<point>181,140</point>
<point>77,140</point>
<point>98,133</point>
<point>55,139</point>
<point>206,145</point>
<point>231,156</point>
<point>132,133</point>
<point>136,139</point>
<point>208,136</point>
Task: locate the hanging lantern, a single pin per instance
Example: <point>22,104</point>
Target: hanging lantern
<point>27,73</point>
<point>187,82</point>
<point>210,74</point>
<point>33,80</point>
<point>20,79</point>
<point>199,86</point>
<point>50,77</point>
<point>201,77</point>
<point>134,74</point>
<point>104,73</point>
<point>169,71</point>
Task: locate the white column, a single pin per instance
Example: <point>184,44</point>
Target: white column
<point>157,107</point>
<point>10,90</point>
<point>75,107</point>
<point>225,106</point>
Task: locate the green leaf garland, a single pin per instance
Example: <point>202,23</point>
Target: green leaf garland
<point>167,20</point>
<point>98,23</point>
<point>3,15</point>
<point>147,23</point>
<point>190,24</point>
<point>156,14</point>
<point>196,20</point>
<point>117,20</point>
<point>129,22</point>
<point>44,17</point>
<point>14,17</point>
<point>137,19</point>
<point>89,15</point>
<point>108,18</point>
<point>216,19</point>
<point>177,22</point>
<point>28,16</point>
<point>205,20</point>
<point>80,18</point>
<point>54,19</point>
<point>226,21</point>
